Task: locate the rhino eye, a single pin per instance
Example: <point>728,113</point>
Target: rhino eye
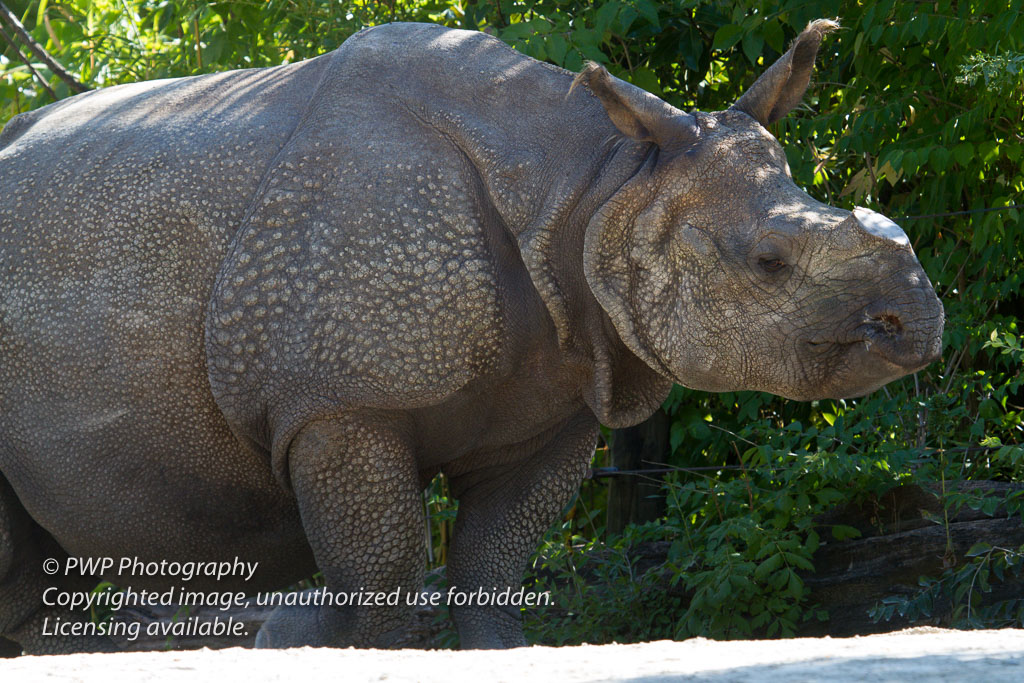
<point>771,264</point>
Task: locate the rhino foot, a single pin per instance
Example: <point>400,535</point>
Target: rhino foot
<point>292,627</point>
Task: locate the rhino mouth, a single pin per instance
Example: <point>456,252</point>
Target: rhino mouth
<point>882,346</point>
<point>847,369</point>
<point>873,355</point>
<point>907,347</point>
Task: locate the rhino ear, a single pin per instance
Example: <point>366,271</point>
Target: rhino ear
<point>782,86</point>
<point>636,113</point>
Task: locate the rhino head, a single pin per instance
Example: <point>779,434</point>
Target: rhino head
<point>721,274</point>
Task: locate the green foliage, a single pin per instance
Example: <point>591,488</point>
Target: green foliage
<point>441,510</point>
<point>962,590</point>
<point>602,592</point>
<point>1003,72</point>
<point>741,543</point>
<point>916,111</point>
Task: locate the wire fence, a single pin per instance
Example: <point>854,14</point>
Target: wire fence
<point>663,468</point>
<point>961,213</point>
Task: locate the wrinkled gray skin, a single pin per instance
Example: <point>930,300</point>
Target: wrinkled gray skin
<point>251,314</point>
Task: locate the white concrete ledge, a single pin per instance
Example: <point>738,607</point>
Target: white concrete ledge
<point>913,655</point>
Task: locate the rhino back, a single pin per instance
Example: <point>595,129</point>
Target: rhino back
<point>119,205</point>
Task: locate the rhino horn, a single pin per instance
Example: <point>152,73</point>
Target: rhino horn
<point>635,112</point>
<point>782,86</point>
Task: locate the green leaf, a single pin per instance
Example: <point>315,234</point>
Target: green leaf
<point>753,43</point>
<point>938,158</point>
<point>964,154</point>
<point>990,409</point>
<point>649,11</point>
<point>573,60</point>
<point>535,48</point>
<point>727,36</point>
<point>556,48</point>
<point>990,505</point>
<point>605,16</point>
<point>676,436</point>
<point>627,15</point>
<point>979,548</point>
<point>41,12</point>
<point>767,567</point>
<point>988,150</point>
<point>919,25</point>
<point>588,41</point>
<point>644,78</point>
<point>812,543</point>
<point>795,589</point>
<point>799,561</point>
<point>692,48</point>
<point>842,532</point>
<point>773,35</point>
<point>828,496</point>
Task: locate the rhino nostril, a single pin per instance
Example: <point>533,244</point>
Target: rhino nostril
<point>889,323</point>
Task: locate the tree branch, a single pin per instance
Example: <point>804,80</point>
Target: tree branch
<point>28,63</point>
<point>19,30</point>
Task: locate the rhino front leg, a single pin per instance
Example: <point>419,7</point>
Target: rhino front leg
<point>357,488</point>
<point>503,513</point>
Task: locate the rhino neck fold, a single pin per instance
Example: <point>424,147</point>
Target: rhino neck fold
<point>620,388</point>
<point>546,192</point>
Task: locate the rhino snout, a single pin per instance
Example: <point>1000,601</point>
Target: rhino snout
<point>908,334</point>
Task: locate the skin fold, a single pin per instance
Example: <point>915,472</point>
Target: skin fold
<point>252,314</point>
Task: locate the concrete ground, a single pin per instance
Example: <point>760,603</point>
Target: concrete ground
<point>914,655</point>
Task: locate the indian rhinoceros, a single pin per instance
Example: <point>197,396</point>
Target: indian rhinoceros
<point>251,314</point>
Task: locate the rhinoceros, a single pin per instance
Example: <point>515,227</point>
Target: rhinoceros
<point>252,314</point>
